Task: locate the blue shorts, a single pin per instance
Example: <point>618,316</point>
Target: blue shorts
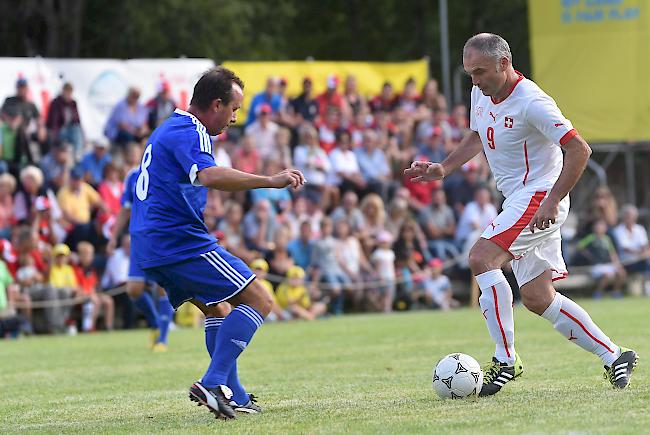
<point>135,272</point>
<point>210,278</point>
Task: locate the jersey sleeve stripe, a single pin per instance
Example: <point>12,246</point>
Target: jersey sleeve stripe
<point>569,134</point>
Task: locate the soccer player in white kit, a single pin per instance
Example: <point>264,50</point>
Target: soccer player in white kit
<point>521,130</point>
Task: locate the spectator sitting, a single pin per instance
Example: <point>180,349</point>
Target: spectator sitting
<point>373,164</point>
<point>117,266</point>
<point>292,297</point>
<point>632,242</point>
<point>374,220</point>
<point>398,214</point>
<point>63,121</point>
<point>77,201</point>
<point>432,99</point>
<point>246,158</point>
<point>7,219</point>
<point>349,211</point>
<point>280,199</point>
<point>263,132</point>
<point>420,194</point>
<point>232,229</point>
<point>345,168</point>
<point>437,291</point>
<point>161,106</point>
<point>603,206</point>
<point>386,101</point>
<point>327,128</point>
<point>110,191</point>
<point>260,268</point>
<point>56,164</point>
<point>300,249</point>
<point>221,156</point>
<point>269,96</point>
<point>304,106</point>
<point>462,191</point>
<point>439,225</point>
<point>31,183</point>
<point>383,260</point>
<point>409,99</point>
<point>128,120</point>
<point>282,151</point>
<point>327,266</point>
<point>353,261</point>
<point>314,163</point>
<point>597,250</point>
<point>331,98</point>
<point>459,123</point>
<point>62,279</point>
<point>477,215</point>
<point>434,148</point>
<point>94,162</point>
<point>87,282</point>
<point>353,98</point>
<point>279,259</point>
<point>410,246</point>
<point>259,227</point>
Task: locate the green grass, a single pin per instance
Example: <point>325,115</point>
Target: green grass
<point>369,374</point>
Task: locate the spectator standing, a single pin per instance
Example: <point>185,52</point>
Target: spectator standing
<point>161,106</point>
<point>328,268</point>
<point>383,260</point>
<point>110,191</point>
<point>63,121</point>
<point>20,109</point>
<point>385,101</point>
<point>353,261</point>
<point>62,279</point>
<point>300,249</point>
<point>331,98</point>
<point>345,168</point>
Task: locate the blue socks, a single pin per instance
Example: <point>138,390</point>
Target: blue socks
<point>146,305</point>
<point>165,316</point>
<point>239,394</point>
<point>234,334</point>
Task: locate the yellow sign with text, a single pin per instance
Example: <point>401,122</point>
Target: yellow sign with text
<point>592,57</point>
<point>370,75</point>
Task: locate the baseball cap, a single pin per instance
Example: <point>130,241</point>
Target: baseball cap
<point>265,108</point>
<point>61,249</point>
<point>332,82</point>
<point>100,142</point>
<point>435,262</point>
<point>260,264</point>
<point>296,272</point>
<point>384,237</point>
<point>22,81</point>
<point>76,173</point>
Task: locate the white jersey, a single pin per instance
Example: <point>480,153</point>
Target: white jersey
<point>521,135</point>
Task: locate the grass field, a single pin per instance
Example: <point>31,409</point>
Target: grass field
<point>368,373</point>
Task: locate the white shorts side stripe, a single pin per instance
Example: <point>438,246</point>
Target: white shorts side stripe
<point>225,264</point>
<point>224,273</point>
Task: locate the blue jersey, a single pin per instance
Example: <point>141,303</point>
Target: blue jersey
<point>167,214</point>
<point>129,188</point>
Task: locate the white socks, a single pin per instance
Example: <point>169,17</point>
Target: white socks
<point>496,304</point>
<point>570,320</point>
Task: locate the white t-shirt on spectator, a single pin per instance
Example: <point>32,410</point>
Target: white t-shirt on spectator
<point>633,240</point>
<point>117,269</point>
<point>264,138</point>
<point>342,162</point>
<point>221,158</point>
<point>384,262</point>
<point>474,218</point>
<point>313,162</point>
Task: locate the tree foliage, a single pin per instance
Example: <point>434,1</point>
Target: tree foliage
<point>378,30</point>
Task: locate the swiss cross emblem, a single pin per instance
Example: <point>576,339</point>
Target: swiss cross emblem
<point>508,123</point>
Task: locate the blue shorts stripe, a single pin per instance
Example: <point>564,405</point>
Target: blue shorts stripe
<point>221,271</point>
<point>215,255</point>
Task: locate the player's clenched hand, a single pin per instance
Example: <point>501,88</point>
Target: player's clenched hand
<point>423,172</point>
<point>286,178</point>
<point>544,217</point>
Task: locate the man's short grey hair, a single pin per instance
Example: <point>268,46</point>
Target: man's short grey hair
<point>629,208</point>
<point>490,45</point>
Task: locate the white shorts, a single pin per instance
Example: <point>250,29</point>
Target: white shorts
<point>533,253</point>
<point>606,269</point>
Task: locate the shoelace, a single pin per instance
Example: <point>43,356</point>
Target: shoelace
<point>252,398</point>
<point>491,371</point>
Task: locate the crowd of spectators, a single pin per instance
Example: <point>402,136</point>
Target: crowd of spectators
<point>357,237</point>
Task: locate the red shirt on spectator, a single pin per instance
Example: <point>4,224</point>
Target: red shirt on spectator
<point>86,279</point>
<point>330,99</point>
<point>246,161</point>
<point>111,193</point>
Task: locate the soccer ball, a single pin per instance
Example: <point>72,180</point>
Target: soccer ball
<point>457,376</point>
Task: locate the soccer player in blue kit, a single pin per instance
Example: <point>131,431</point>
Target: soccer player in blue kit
<point>171,243</point>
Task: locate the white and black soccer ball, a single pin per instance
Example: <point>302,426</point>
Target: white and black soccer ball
<point>457,376</point>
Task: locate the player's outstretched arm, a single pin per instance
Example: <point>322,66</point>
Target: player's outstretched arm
<point>232,180</point>
<point>576,155</point>
<point>424,172</point>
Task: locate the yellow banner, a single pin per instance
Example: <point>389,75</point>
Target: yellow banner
<point>370,75</point>
<point>591,56</point>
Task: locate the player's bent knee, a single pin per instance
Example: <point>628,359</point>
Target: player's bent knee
<point>486,255</point>
<point>256,296</point>
<point>135,289</point>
